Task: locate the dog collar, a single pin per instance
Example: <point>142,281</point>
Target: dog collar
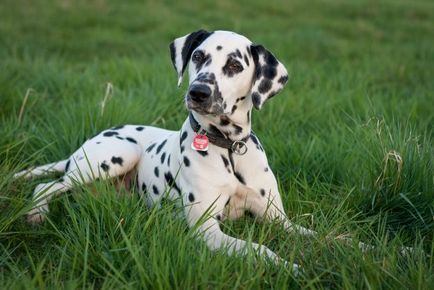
<point>238,146</point>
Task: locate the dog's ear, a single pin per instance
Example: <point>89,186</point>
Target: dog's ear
<point>270,76</point>
<point>182,48</point>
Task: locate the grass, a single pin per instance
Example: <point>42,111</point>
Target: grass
<point>350,140</point>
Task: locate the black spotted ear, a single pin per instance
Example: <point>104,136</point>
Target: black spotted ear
<point>182,48</point>
<point>270,76</point>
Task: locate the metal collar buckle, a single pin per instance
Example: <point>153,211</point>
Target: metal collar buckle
<point>239,147</point>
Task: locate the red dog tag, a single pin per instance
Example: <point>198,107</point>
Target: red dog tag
<point>200,143</point>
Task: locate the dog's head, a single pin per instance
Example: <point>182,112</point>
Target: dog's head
<point>226,70</point>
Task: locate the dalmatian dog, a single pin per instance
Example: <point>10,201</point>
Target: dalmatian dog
<point>215,165</point>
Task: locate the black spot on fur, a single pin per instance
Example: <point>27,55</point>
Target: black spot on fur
<point>161,146</point>
<point>190,197</point>
<point>227,202</point>
<point>238,129</point>
<point>269,58</point>
<point>144,188</point>
<point>156,172</point>
<point>234,108</point>
<point>266,169</point>
<point>238,53</point>
<point>149,149</point>
<point>168,160</point>
<point>269,72</point>
<point>67,165</point>
<point>219,47</point>
<point>249,51</point>
<point>186,161</point>
<point>231,159</point>
<point>117,160</point>
<point>192,41</point>
<point>283,79</point>
<point>120,138</point>
<point>256,99</point>
<point>163,157</point>
<point>117,127</point>
<point>258,71</point>
<point>98,142</point>
<point>129,139</point>
<point>183,137</point>
<point>110,133</point>
<point>171,181</point>
<point>240,99</point>
<point>224,121</point>
<point>105,167</point>
<point>182,149</point>
<point>239,177</point>
<point>155,190</point>
<point>203,153</point>
<point>262,191</point>
<point>246,60</point>
<point>217,95</point>
<point>248,117</point>
<point>172,53</point>
<point>264,86</point>
<point>140,128</point>
<point>256,141</point>
<point>226,163</point>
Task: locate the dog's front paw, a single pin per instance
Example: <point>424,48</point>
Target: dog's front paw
<point>296,269</point>
<point>37,215</point>
<point>35,218</point>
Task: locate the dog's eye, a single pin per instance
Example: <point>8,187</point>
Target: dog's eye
<point>235,66</point>
<point>198,56</point>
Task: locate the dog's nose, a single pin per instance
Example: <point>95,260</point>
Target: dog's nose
<point>199,93</point>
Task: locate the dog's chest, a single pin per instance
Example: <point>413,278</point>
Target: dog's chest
<point>169,165</point>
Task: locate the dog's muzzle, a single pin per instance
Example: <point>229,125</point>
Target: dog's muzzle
<point>199,99</point>
<point>199,93</point>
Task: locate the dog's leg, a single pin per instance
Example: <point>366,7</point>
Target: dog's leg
<point>217,240</point>
<point>59,166</point>
<point>106,162</point>
<point>264,201</point>
<point>205,216</point>
<point>42,195</point>
<point>272,209</point>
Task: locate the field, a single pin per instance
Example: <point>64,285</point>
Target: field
<point>351,140</point>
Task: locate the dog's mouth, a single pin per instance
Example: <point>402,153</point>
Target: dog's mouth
<point>203,109</point>
<point>198,108</point>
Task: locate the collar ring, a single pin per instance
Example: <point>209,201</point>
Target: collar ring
<point>239,147</point>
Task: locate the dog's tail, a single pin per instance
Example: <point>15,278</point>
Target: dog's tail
<point>60,166</point>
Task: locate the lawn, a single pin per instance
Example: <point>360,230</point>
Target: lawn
<point>351,140</point>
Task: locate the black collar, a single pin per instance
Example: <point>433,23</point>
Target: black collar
<point>238,146</point>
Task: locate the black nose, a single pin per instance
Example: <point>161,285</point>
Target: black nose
<point>199,93</point>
